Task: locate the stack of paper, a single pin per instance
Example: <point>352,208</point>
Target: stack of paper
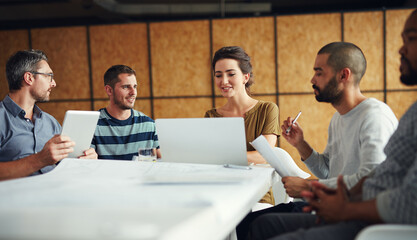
<point>278,158</point>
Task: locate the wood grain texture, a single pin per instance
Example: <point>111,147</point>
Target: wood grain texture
<point>401,101</point>
<point>66,48</point>
<point>58,109</point>
<point>181,58</point>
<point>181,107</point>
<point>377,95</point>
<point>256,37</point>
<point>369,37</point>
<point>11,41</point>
<point>125,44</point>
<point>299,38</point>
<point>314,120</point>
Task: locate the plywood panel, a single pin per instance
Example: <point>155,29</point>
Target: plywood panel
<point>181,107</point>
<point>66,48</point>
<point>300,37</point>
<point>142,105</point>
<point>125,44</point>
<point>395,20</point>
<point>365,30</point>
<point>259,46</point>
<point>11,42</point>
<point>181,58</point>
<point>267,98</point>
<point>377,95</point>
<point>401,101</point>
<point>314,120</point>
<point>58,109</point>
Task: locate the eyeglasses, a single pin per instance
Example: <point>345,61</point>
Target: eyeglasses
<point>47,74</point>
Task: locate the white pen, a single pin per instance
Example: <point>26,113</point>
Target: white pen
<point>289,128</point>
<point>237,166</point>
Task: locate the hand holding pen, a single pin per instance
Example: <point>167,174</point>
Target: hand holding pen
<point>295,119</point>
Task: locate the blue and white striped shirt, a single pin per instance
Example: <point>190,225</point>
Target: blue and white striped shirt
<point>121,139</point>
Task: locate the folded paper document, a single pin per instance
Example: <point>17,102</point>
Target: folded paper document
<point>278,158</point>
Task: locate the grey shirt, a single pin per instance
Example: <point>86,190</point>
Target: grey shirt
<point>355,143</point>
<point>394,182</point>
<point>19,136</point>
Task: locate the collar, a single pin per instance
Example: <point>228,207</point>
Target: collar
<point>16,110</point>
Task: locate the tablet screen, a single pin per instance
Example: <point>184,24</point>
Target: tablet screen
<point>80,127</point>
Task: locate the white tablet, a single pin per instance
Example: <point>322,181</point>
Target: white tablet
<point>80,127</point>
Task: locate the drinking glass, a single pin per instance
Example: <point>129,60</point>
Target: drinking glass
<point>147,154</point>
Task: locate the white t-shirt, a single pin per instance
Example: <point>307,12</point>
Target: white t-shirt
<point>355,144</point>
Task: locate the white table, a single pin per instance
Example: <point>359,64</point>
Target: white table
<point>102,199</point>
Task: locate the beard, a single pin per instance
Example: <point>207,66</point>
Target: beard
<point>40,97</point>
<point>330,93</point>
<point>122,105</point>
<point>409,78</point>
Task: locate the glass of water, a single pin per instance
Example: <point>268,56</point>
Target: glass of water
<point>147,154</point>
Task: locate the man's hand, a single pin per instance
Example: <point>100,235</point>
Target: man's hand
<point>295,136</point>
<point>329,204</point>
<point>56,149</point>
<point>89,154</point>
<point>294,185</point>
<point>355,193</point>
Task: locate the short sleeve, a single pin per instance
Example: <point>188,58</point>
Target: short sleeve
<point>271,125</point>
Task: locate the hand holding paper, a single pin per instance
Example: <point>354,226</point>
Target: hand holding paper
<point>278,158</point>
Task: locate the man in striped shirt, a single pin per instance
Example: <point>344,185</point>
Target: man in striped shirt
<point>121,130</point>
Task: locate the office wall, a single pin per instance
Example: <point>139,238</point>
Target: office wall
<point>172,60</point>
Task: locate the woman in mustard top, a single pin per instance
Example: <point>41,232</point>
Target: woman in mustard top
<point>233,77</point>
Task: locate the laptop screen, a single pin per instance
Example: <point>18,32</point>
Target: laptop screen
<point>202,140</point>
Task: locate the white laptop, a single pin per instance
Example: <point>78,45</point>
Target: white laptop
<point>202,140</point>
<point>80,127</point>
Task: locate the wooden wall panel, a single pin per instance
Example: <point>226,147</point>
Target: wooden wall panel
<point>181,107</point>
<point>66,48</point>
<point>256,37</point>
<point>125,44</point>
<point>58,109</point>
<point>142,105</point>
<point>299,38</point>
<point>10,42</point>
<point>181,58</point>
<point>314,120</point>
<point>368,37</point>
<point>377,95</point>
<point>395,20</point>
<point>401,101</point>
<point>267,98</point>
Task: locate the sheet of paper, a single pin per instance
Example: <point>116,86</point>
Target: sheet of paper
<point>278,158</point>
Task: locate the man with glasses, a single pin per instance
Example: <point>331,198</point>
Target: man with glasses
<point>30,143</point>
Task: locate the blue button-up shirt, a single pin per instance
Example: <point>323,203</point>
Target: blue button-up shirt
<point>19,136</point>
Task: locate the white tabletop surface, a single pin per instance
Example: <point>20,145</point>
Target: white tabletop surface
<point>104,199</point>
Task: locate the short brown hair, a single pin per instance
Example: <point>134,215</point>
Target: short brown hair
<point>111,77</point>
